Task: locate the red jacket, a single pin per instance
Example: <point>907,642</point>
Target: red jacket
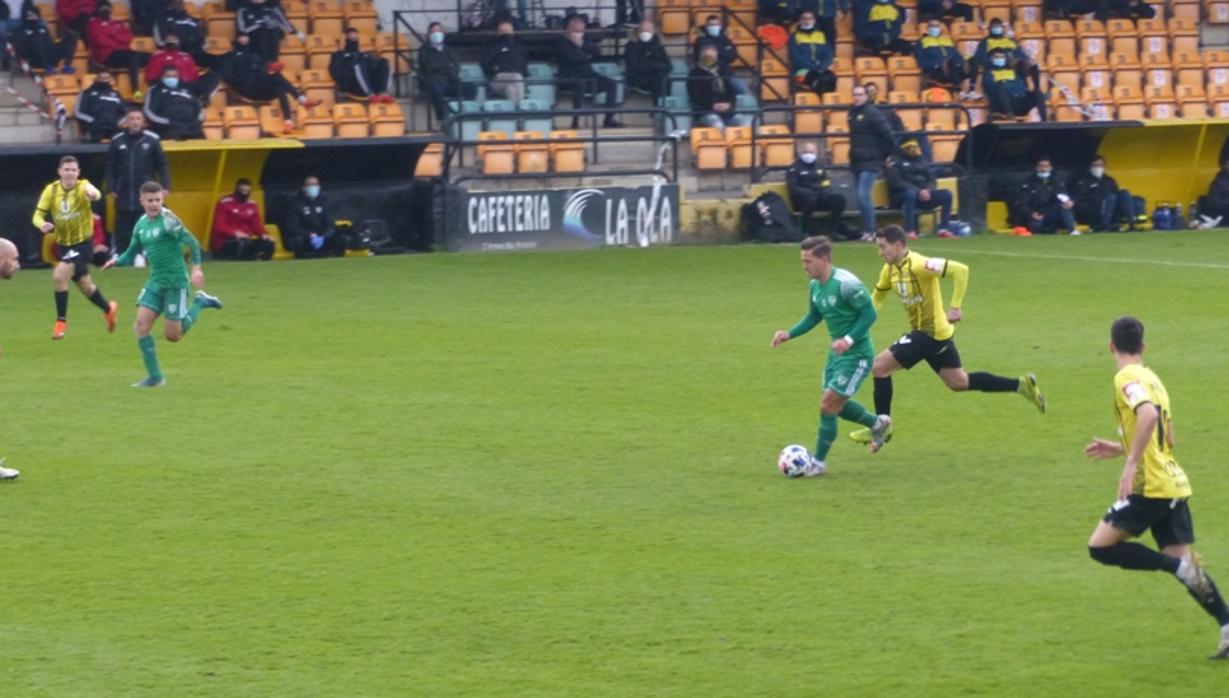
<point>231,215</point>
<point>68,10</point>
<point>106,37</point>
<point>171,59</point>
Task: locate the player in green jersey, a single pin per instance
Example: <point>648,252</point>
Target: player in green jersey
<point>837,296</point>
<point>162,237</point>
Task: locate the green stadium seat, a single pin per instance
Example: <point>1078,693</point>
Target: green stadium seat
<point>504,124</point>
<point>471,74</point>
<point>614,72</point>
<point>545,124</point>
<point>540,83</point>
<point>469,129</point>
<point>681,110</point>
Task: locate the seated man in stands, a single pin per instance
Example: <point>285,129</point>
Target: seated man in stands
<point>810,56</point>
<point>575,54</point>
<point>32,43</point>
<point>309,230</point>
<point>265,22</point>
<point>998,39</point>
<point>190,77</point>
<point>175,20</point>
<point>1215,205</point>
<point>648,66</point>
<point>810,192</point>
<point>944,9</point>
<point>1007,90</point>
<point>712,95</point>
<point>439,72</point>
<point>174,112</point>
<point>1041,204</point>
<point>110,42</point>
<point>360,73</point>
<point>100,108</point>
<point>247,73</point>
<point>913,187</point>
<point>505,64</point>
<point>877,25</point>
<point>712,33</point>
<point>938,57</point>
<point>238,232</point>
<point>1099,202</point>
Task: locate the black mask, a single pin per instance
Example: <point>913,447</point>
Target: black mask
<point>243,197</point>
<point>172,45</point>
<point>351,45</point>
<point>104,12</point>
<point>31,22</point>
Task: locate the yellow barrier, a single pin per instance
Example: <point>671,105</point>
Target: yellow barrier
<point>1166,160</point>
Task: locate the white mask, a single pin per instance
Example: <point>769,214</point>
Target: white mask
<point>436,38</point>
<point>1097,171</point>
<point>808,158</point>
<point>646,36</point>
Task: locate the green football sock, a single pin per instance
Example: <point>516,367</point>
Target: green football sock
<point>150,355</point>
<point>190,319</point>
<point>853,411</point>
<point>827,434</point>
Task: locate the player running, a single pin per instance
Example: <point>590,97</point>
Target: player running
<point>9,265</point>
<point>64,209</point>
<point>1153,489</point>
<point>916,279</point>
<point>161,237</point>
<point>839,297</point>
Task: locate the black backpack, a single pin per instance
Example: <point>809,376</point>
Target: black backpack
<point>768,219</point>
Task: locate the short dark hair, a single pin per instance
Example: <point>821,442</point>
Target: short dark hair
<point>135,108</point>
<point>1127,334</point>
<point>66,160</point>
<point>1096,157</point>
<point>892,233</point>
<point>998,51</point>
<point>818,246</point>
<point>151,188</point>
<point>169,69</point>
<point>433,25</point>
<point>242,181</point>
<point>711,18</point>
<point>1043,158</point>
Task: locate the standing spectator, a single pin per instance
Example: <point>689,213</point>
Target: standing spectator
<point>505,64</point>
<point>360,73</point>
<point>877,25</point>
<point>33,44</point>
<point>74,14</point>
<point>439,72</point>
<point>309,230</point>
<point>175,20</point>
<point>810,192</point>
<point>174,111</point>
<point>913,187</point>
<point>238,232</point>
<point>1007,90</point>
<point>252,77</point>
<point>870,144</point>
<point>1215,204</point>
<point>712,33</point>
<point>825,14</point>
<point>575,54</point>
<point>938,57</point>
<point>712,95</point>
<point>1042,205</point>
<point>944,9</point>
<point>134,157</point>
<point>265,22</point>
<point>810,56</point>
<point>100,108</point>
<point>109,45</point>
<point>648,66</point>
<point>1099,202</point>
<point>203,86</point>
<point>982,58</point>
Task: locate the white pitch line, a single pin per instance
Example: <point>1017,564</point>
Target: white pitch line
<point>1080,258</point>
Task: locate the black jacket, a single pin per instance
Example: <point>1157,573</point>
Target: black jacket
<point>706,88</point>
<point>343,64</point>
<point>576,61</point>
<point>870,138</point>
<point>305,216</point>
<point>437,64</point>
<point>1088,191</point>
<point>646,57</point>
<point>726,51</point>
<point>99,109</point>
<point>1035,195</point>
<point>252,17</point>
<point>189,30</point>
<point>28,40</point>
<point>505,55</point>
<point>174,113</point>
<point>242,66</point>
<point>131,162</point>
<point>1218,193</point>
<point>905,172</point>
<point>802,178</point>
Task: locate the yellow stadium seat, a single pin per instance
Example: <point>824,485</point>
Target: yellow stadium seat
<point>870,68</point>
<point>1060,36</point>
<point>531,157</point>
<point>1162,110</point>
<point>498,155</point>
<point>709,149</point>
<point>219,23</point>
<point>212,125</point>
<point>1217,13</point>
<point>1035,47</point>
<point>1097,77</point>
<point>241,123</point>
<point>738,143</point>
<point>387,120</point>
<point>1027,11</point>
<point>808,122</point>
<point>1218,97</point>
<point>774,80</point>
<point>272,121</point>
<point>316,122</point>
<point>320,48</point>
<point>142,43</point>
<point>567,157</point>
<point>675,17</point>
<point>361,15</point>
<point>326,17</point>
<point>430,162</point>
<point>293,54</point>
<point>838,149</point>
<point>350,120</point>
<point>778,146</point>
<point>1067,113</point>
<point>1185,10</point>
<point>318,85</point>
<point>904,73</point>
<point>838,120</point>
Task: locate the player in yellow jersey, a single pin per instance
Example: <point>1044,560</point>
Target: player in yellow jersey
<point>915,278</point>
<point>64,211</point>
<point>1153,489</point>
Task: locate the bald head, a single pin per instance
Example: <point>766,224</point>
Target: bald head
<point>8,259</point>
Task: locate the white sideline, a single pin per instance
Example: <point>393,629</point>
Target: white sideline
<point>1080,258</point>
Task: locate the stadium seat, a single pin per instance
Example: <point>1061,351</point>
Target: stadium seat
<point>944,148</point>
<point>944,119</point>
<point>1159,75</point>
<point>326,17</point>
<point>496,154</point>
<point>675,16</point>
<point>142,43</point>
<point>680,110</point>
<point>745,45</point>
<point>295,11</point>
<point>272,121</point>
<point>219,23</point>
<point>506,123</point>
<point>1130,76</point>
<point>837,147</point>
<point>535,123</point>
<point>1066,112</point>
<point>1216,67</point>
<point>615,72</point>
<point>241,123</point>
<point>996,9</point>
<point>471,74</point>
<point>567,157</point>
<point>1186,10</point>
<point>1060,37</point>
<point>809,122</point>
<point>1189,69</point>
<point>1035,47</point>
<point>531,157</point>
<point>1218,97</point>
<point>905,73</point>
<point>212,124</point>
<point>1184,33</point>
<point>316,122</point>
<point>966,35</point>
<point>318,85</point>
<point>430,162</point>
<point>540,84</point>
<point>466,129</point>
<point>65,88</point>
<point>738,143</point>
<point>1122,36</point>
<point>1064,70</point>
<point>1217,13</point>
<point>1097,77</point>
<point>320,49</point>
<point>837,119</point>
<point>350,120</point>
<point>777,145</point>
<point>844,50</point>
<point>361,15</point>
<point>708,147</point>
<point>293,54</point>
<point>911,117</point>
<point>387,45</point>
<point>387,120</point>
<point>871,68</point>
<point>1028,11</point>
<point>774,80</point>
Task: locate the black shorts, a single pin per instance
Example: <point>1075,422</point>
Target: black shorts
<point>1169,519</point>
<point>917,345</point>
<point>79,256</point>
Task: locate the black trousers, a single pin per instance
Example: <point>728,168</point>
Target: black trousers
<point>267,43</point>
<point>441,91</point>
<point>950,72</point>
<point>132,61</point>
<point>125,221</point>
<point>49,54</point>
<point>1002,102</point>
<point>204,86</point>
<point>598,83</point>
<point>247,250</point>
<point>262,88</point>
<point>656,84</point>
<point>374,81</point>
<point>808,202</point>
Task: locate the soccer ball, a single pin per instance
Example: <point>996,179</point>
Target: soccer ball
<point>794,461</point>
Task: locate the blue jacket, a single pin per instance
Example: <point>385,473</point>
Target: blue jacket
<point>809,50</point>
<point>988,44</point>
<point>877,23</point>
<point>1007,76</point>
<point>932,52</point>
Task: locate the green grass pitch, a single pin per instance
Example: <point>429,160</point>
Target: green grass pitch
<point>555,474</point>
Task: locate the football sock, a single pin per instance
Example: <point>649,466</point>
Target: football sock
<point>150,355</point>
<point>1133,556</point>
<point>853,411</point>
<point>827,434</point>
<point>990,383</point>
<point>1214,605</point>
<point>883,395</point>
<point>190,319</point>
<point>61,305</point>
<point>97,299</point>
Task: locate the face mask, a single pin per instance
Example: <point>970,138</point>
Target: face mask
<point>312,190</point>
<point>999,62</point>
<point>352,45</point>
<point>808,158</point>
<point>105,13</point>
<point>505,36</point>
<point>241,196</point>
<point>1044,175</point>
<point>437,38</point>
<point>912,152</point>
<point>713,31</point>
<point>806,27</point>
<point>1097,171</point>
<point>103,84</point>
<point>171,82</point>
<point>31,22</point>
<point>996,31</point>
<point>646,36</point>
<point>708,61</point>
<point>172,45</point>
<point>934,31</point>
<point>884,2</point>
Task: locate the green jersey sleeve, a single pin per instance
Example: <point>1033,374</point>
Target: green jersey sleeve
<point>811,319</point>
<point>855,294</point>
<point>189,240</point>
<point>134,248</point>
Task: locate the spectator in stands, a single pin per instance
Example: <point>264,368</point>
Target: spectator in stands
<point>439,72</point>
<point>825,15</point>
<point>575,54</point>
<point>877,25</point>
<point>247,72</point>
<point>913,187</point>
<point>174,111</point>
<point>810,56</point>
<point>712,95</point>
<point>238,232</point>
<point>1099,202</point>
<point>810,192</point>
<point>777,11</point>
<point>998,39</point>
<point>713,33</point>
<point>144,14</point>
<point>360,73</point>
<point>190,77</point>
<point>1042,204</point>
<point>265,22</point>
<point>309,230</point>
<point>938,56</point>
<point>175,20</point>
<point>870,144</point>
<point>1214,206</point>
<point>648,66</point>
<point>944,9</point>
<point>100,108</point>
<point>110,42</point>
<point>75,14</point>
<point>134,157</point>
<point>1007,90</point>
<point>899,131</point>
<point>32,43</point>
<point>505,64</point>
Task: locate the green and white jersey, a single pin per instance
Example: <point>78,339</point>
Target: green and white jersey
<point>846,305</point>
<point>162,239</point>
